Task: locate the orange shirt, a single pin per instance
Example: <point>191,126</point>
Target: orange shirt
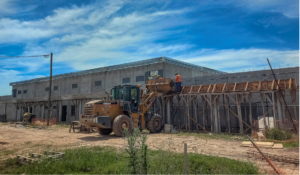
<point>178,78</point>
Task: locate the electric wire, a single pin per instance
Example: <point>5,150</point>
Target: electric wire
<point>46,56</point>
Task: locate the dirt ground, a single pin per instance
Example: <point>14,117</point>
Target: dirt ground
<point>18,141</point>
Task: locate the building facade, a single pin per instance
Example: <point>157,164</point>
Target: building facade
<point>71,90</point>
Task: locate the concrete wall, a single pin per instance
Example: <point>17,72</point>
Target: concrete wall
<point>85,85</point>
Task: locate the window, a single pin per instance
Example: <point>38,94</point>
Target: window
<point>46,107</point>
<point>74,86</point>
<point>73,110</point>
<point>140,78</point>
<point>126,80</point>
<point>19,92</point>
<point>24,91</point>
<point>98,83</point>
<point>55,88</point>
<point>54,107</point>
<point>47,89</point>
<point>14,93</point>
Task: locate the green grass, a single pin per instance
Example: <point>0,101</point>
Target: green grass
<point>214,136</point>
<point>293,144</point>
<point>103,160</point>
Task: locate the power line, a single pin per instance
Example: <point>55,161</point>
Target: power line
<point>46,56</point>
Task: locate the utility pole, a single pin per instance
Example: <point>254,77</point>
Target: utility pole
<point>50,87</point>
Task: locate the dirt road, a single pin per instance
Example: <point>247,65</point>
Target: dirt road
<point>15,141</point>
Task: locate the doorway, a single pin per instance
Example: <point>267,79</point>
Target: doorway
<point>64,113</point>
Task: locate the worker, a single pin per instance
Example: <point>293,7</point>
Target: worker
<point>151,77</point>
<point>178,82</point>
<point>159,77</point>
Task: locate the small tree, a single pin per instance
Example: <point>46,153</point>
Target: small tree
<point>137,150</point>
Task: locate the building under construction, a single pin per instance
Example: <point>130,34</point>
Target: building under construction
<point>210,100</point>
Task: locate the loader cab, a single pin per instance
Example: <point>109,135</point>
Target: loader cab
<point>127,93</point>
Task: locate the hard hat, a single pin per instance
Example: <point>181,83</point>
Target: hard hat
<point>158,75</point>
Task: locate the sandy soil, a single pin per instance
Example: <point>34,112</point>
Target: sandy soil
<point>18,141</point>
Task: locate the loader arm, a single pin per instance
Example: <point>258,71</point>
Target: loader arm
<point>155,88</point>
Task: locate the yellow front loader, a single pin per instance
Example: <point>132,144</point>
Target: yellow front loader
<point>127,108</point>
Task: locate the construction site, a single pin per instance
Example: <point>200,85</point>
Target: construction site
<point>212,112</point>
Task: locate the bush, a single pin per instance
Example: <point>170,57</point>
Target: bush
<point>277,134</point>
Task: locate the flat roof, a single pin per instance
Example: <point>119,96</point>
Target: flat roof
<point>122,66</point>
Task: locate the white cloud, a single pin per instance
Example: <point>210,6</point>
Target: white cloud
<point>242,59</point>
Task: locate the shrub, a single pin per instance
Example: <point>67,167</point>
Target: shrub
<point>137,150</point>
<point>277,134</point>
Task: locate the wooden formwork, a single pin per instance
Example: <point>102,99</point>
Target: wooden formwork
<point>230,93</point>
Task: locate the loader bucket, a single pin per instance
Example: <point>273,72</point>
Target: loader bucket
<point>161,85</point>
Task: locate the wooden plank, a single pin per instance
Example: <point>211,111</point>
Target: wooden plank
<point>224,87</point>
<point>246,86</point>
<point>234,87</point>
<point>199,89</point>
<point>208,88</point>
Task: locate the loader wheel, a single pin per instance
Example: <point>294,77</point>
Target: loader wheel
<point>102,131</point>
<point>155,124</point>
<point>120,123</point>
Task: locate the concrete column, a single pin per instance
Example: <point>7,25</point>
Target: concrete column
<point>59,111</point>
<point>43,112</point>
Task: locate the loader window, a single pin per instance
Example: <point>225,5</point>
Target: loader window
<point>123,94</point>
<point>113,94</point>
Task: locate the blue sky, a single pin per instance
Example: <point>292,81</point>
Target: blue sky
<point>231,35</point>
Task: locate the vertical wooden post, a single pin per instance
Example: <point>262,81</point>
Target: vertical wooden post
<point>263,108</point>
<point>195,111</point>
<point>228,114</point>
<point>163,109</point>
<point>279,108</point>
<point>275,114</point>
<point>178,119</point>
<point>238,101</point>
<point>212,121</point>
<point>185,159</point>
<point>250,108</point>
<point>293,97</point>
<point>188,112</point>
<point>218,112</point>
<point>204,111</point>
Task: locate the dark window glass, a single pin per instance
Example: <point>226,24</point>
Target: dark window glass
<point>24,91</point>
<point>46,107</point>
<point>140,78</point>
<point>47,89</point>
<point>74,86</point>
<point>73,110</point>
<point>14,93</point>
<point>19,92</point>
<point>55,88</point>
<point>54,107</point>
<point>126,80</point>
<point>98,83</point>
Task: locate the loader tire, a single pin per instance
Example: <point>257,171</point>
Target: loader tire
<point>120,123</point>
<point>102,131</point>
<point>154,125</point>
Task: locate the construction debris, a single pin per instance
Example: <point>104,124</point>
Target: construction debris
<point>274,157</point>
<point>34,157</point>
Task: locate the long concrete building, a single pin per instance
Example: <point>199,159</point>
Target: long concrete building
<point>71,90</point>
